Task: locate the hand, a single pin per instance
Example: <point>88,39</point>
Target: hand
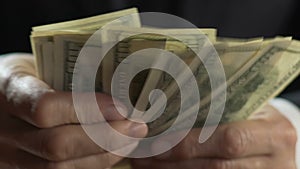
<point>266,141</point>
<point>48,135</point>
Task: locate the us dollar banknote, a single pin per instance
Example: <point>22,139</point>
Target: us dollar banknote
<point>264,76</point>
<point>45,40</point>
<point>235,56</point>
<point>153,78</point>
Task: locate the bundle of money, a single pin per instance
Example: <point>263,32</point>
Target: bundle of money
<point>256,70</point>
<point>56,46</point>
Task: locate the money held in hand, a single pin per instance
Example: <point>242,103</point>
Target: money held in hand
<point>256,70</point>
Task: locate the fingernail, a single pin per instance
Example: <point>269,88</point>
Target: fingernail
<point>163,148</point>
<point>138,130</point>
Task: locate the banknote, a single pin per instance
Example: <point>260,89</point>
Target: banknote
<point>255,69</point>
<point>42,36</point>
<point>151,38</point>
<point>233,59</point>
<point>263,77</point>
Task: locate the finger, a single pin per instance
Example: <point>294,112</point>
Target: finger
<point>99,161</point>
<point>71,141</point>
<point>11,126</point>
<point>12,158</point>
<point>238,139</point>
<point>261,162</point>
<point>57,108</point>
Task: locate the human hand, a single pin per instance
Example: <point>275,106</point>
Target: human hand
<point>265,141</point>
<point>40,129</point>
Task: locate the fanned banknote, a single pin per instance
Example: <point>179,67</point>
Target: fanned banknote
<point>47,42</point>
<point>256,69</point>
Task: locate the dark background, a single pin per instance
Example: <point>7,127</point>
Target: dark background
<point>232,18</point>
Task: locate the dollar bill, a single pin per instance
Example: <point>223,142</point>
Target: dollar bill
<point>262,78</point>
<point>45,35</point>
<point>91,23</point>
<point>233,59</point>
<point>256,69</point>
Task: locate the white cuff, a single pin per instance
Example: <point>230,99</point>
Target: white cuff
<point>18,81</point>
<point>292,113</point>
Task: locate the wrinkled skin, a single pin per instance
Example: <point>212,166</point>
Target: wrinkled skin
<point>52,138</point>
<point>39,128</point>
<point>265,141</point>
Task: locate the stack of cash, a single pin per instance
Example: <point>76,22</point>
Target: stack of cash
<point>256,70</point>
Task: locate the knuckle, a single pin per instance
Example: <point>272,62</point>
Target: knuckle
<point>55,146</point>
<point>284,136</point>
<point>290,136</point>
<point>234,142</point>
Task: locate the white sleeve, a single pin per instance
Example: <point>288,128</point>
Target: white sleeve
<point>292,113</point>
<point>18,80</point>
